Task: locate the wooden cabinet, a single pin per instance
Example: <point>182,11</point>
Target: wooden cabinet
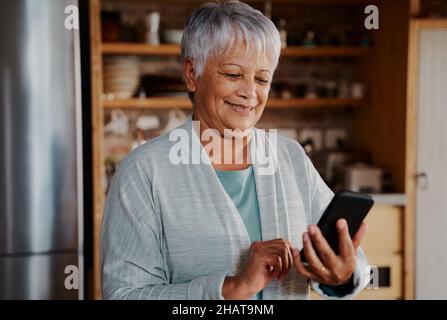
<point>385,232</point>
<point>384,248</point>
<point>378,119</point>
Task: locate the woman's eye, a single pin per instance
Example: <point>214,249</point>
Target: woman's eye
<point>238,75</point>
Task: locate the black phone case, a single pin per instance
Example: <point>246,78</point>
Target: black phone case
<point>352,206</point>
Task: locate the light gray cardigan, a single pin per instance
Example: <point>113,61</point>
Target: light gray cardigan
<point>170,231</point>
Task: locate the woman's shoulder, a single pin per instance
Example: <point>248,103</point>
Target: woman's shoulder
<point>290,144</point>
<point>147,158</point>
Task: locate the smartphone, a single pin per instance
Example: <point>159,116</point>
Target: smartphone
<point>352,206</point>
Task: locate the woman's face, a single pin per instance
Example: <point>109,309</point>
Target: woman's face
<point>232,91</point>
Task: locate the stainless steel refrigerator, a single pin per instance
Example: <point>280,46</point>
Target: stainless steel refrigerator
<point>41,174</point>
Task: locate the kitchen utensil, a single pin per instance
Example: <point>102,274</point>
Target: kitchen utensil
<point>173,36</point>
<point>121,76</point>
<point>152,27</point>
<point>176,118</point>
<point>147,122</point>
<point>357,90</point>
<point>363,178</point>
<point>119,124</point>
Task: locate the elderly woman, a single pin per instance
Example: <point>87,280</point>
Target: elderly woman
<point>187,220</point>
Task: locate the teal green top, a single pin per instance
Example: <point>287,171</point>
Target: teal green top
<point>241,187</point>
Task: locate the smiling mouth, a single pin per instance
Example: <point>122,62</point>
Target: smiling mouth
<point>239,106</point>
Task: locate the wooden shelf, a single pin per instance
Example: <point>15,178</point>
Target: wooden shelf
<point>325,51</point>
<point>174,50</point>
<point>313,103</point>
<point>140,49</point>
<point>149,103</point>
<point>184,103</point>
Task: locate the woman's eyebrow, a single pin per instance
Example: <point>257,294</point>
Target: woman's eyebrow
<point>232,64</point>
<point>238,65</point>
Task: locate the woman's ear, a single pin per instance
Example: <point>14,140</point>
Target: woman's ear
<point>189,74</point>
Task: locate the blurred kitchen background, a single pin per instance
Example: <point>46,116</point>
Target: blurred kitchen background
<point>368,106</point>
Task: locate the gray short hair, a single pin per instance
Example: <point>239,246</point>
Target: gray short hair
<point>213,28</point>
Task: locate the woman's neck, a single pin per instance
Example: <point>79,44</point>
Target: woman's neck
<point>239,147</point>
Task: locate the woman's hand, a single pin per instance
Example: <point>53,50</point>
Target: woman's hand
<point>266,260</point>
<point>327,267</point>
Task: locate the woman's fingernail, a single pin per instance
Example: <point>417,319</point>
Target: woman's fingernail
<point>305,237</point>
<point>312,229</point>
<point>295,252</point>
<point>341,224</point>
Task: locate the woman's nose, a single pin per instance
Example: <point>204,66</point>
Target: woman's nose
<point>247,89</point>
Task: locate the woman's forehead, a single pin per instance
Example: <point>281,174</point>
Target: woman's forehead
<point>241,56</point>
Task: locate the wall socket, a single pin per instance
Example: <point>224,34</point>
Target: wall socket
<point>316,135</point>
<point>331,136</point>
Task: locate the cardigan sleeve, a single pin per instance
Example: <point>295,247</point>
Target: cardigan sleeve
<point>133,260</point>
<point>321,195</point>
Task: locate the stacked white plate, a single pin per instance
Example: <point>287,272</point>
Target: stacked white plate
<point>173,35</point>
<point>121,76</point>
